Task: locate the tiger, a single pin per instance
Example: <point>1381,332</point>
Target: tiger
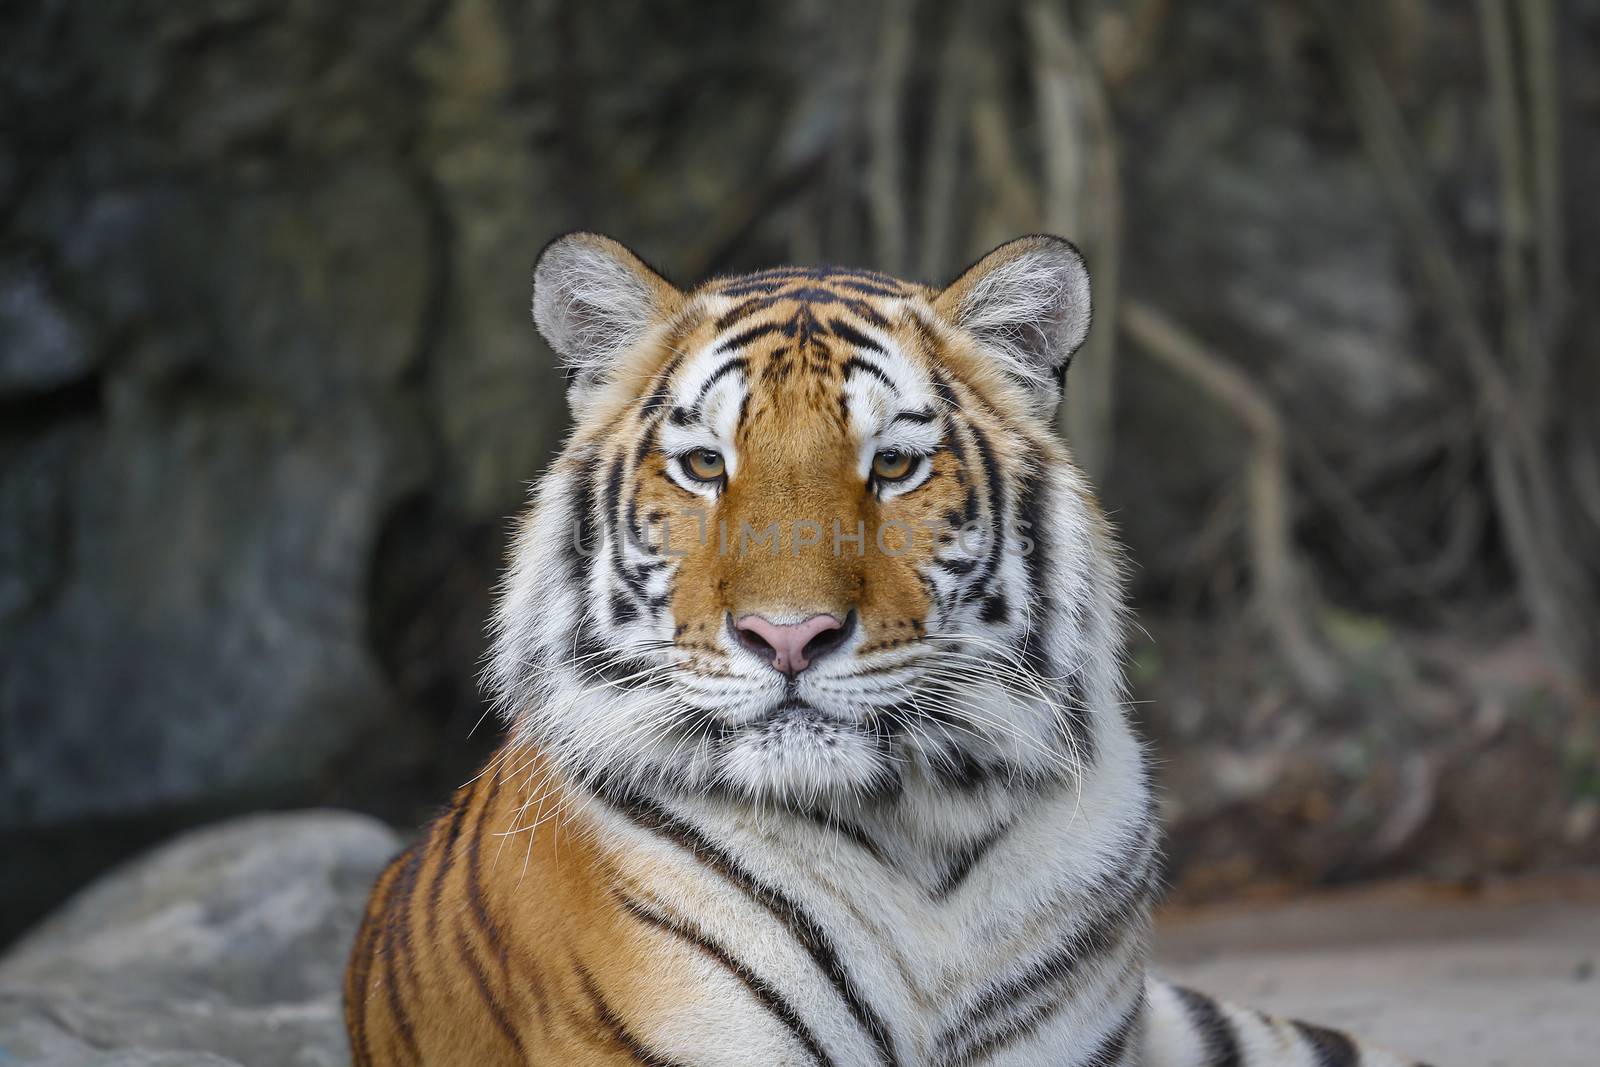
<point>808,651</point>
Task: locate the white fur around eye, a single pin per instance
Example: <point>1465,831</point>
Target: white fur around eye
<point>678,441</point>
<point>921,470</point>
<point>688,444</point>
<point>920,439</point>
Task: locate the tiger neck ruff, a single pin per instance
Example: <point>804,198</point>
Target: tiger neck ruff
<point>809,655</point>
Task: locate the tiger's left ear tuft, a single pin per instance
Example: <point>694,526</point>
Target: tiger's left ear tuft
<point>595,301</point>
<point>1027,304</point>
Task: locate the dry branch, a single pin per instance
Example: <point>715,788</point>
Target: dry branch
<point>885,174</point>
<point>1552,581</point>
<point>1276,580</point>
<point>1525,355</point>
<point>942,171</point>
<point>1010,202</point>
<point>1082,201</point>
<point>1537,22</point>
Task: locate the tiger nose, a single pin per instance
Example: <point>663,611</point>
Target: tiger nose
<point>791,647</point>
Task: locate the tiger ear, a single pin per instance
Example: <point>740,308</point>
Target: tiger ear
<point>594,301</point>
<point>1027,304</point>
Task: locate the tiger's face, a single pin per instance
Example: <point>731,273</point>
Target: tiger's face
<point>813,540</point>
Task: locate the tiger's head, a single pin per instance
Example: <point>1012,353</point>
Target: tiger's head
<point>813,540</point>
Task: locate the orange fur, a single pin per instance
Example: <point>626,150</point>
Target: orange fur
<point>496,938</point>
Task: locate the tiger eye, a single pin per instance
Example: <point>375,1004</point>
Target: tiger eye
<point>705,464</point>
<point>891,465</point>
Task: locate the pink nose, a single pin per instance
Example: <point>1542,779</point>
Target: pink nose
<point>790,647</point>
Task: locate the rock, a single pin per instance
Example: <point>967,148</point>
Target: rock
<point>228,488</point>
<point>33,483</point>
<point>225,946</point>
<point>43,345</point>
<point>29,1038</point>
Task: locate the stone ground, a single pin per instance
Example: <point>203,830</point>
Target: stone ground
<point>224,948</point>
<point>1503,977</point>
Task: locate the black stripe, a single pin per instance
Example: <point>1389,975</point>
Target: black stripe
<point>744,337</point>
<point>649,815</point>
<point>864,287</point>
<point>357,993</point>
<point>824,272</point>
<point>765,288</point>
<point>1095,936</point>
<point>812,294</point>
<point>742,310</point>
<point>600,661</point>
<point>1031,510</point>
<point>577,549</point>
<point>657,394</point>
<point>1110,1052</point>
<point>397,1007</point>
<point>647,444</point>
<point>615,1027</point>
<point>497,1011</point>
<point>436,889</point>
<point>478,905</point>
<point>966,862</point>
<point>637,534</point>
<point>1122,895</point>
<point>770,274</point>
<point>856,834</point>
<point>737,363</point>
<point>1332,1048</point>
<point>855,363</point>
<point>995,609</point>
<point>623,610</point>
<point>957,768</point>
<point>802,326</point>
<point>397,927</point>
<point>997,509</point>
<point>617,507</point>
<point>764,994</point>
<point>613,494</point>
<point>744,414</point>
<point>1216,1032</point>
<point>365,959</point>
<point>851,335</point>
<point>863,310</point>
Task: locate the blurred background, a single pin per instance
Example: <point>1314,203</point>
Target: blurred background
<point>269,394</point>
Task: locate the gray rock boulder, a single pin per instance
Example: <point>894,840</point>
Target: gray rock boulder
<point>213,521</point>
<point>224,947</point>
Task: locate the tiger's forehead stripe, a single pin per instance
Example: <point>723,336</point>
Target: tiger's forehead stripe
<point>815,289</point>
<point>807,321</point>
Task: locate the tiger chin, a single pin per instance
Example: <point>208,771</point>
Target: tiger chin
<point>808,652</point>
